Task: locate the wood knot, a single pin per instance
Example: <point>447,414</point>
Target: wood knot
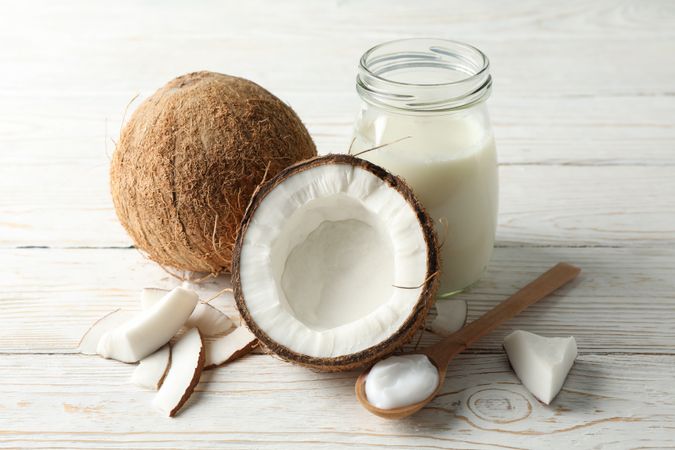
<point>499,405</point>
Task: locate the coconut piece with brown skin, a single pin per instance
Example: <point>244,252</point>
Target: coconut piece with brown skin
<point>110,321</point>
<point>451,316</point>
<point>187,363</point>
<point>151,370</point>
<point>232,346</point>
<point>189,159</point>
<point>335,264</point>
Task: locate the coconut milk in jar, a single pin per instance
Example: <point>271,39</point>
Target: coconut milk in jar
<point>425,99</point>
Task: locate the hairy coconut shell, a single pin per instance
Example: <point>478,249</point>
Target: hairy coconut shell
<point>413,323</point>
<point>190,158</point>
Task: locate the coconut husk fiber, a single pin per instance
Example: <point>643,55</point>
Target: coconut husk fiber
<point>190,158</point>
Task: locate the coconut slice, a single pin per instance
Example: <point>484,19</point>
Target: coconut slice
<point>451,316</point>
<point>209,320</point>
<point>541,363</point>
<point>226,306</point>
<point>187,362</point>
<point>152,369</point>
<point>335,263</point>
<point>89,341</point>
<point>227,348</point>
<point>151,329</point>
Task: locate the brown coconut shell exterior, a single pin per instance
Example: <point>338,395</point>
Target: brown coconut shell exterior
<point>195,378</point>
<point>413,322</point>
<point>190,158</point>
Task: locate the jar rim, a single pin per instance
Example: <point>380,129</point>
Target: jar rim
<point>484,66</point>
<point>424,53</point>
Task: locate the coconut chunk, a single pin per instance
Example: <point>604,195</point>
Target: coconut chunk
<point>187,362</point>
<point>149,330</point>
<point>210,321</point>
<point>451,316</point>
<point>113,319</point>
<point>152,369</point>
<point>541,363</point>
<point>227,348</point>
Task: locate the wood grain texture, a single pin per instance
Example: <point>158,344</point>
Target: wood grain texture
<point>68,206</point>
<point>571,49</point>
<point>84,402</point>
<point>584,115</point>
<point>624,300</point>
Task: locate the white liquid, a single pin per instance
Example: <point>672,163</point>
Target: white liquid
<point>401,381</point>
<point>451,164</point>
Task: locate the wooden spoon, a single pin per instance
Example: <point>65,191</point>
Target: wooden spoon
<point>442,353</point>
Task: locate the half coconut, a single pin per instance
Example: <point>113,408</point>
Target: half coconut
<point>335,263</point>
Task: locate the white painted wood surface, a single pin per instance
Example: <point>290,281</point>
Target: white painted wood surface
<point>584,113</point>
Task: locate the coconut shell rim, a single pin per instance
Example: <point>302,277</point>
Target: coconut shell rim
<point>411,324</point>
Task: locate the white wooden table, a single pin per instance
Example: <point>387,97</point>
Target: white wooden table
<point>584,113</point>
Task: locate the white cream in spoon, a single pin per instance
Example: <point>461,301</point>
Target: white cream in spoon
<point>401,381</point>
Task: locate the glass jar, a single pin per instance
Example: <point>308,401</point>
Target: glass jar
<point>423,106</point>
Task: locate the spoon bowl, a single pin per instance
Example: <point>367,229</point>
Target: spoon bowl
<point>402,411</point>
<point>443,352</point>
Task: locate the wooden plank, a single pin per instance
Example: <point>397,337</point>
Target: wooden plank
<point>552,68</point>
<point>64,205</point>
<point>572,20</point>
<point>579,49</point>
<point>540,130</point>
<point>623,301</point>
<point>572,206</point>
<point>608,401</point>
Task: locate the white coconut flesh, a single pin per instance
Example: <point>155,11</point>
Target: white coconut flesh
<point>227,348</point>
<point>89,342</point>
<point>210,320</point>
<point>150,371</point>
<point>151,329</point>
<point>451,316</point>
<point>324,259</point>
<point>187,362</point>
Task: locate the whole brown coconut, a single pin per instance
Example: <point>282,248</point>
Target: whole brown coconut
<point>189,160</point>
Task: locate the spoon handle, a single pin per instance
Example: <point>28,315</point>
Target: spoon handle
<point>544,285</point>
